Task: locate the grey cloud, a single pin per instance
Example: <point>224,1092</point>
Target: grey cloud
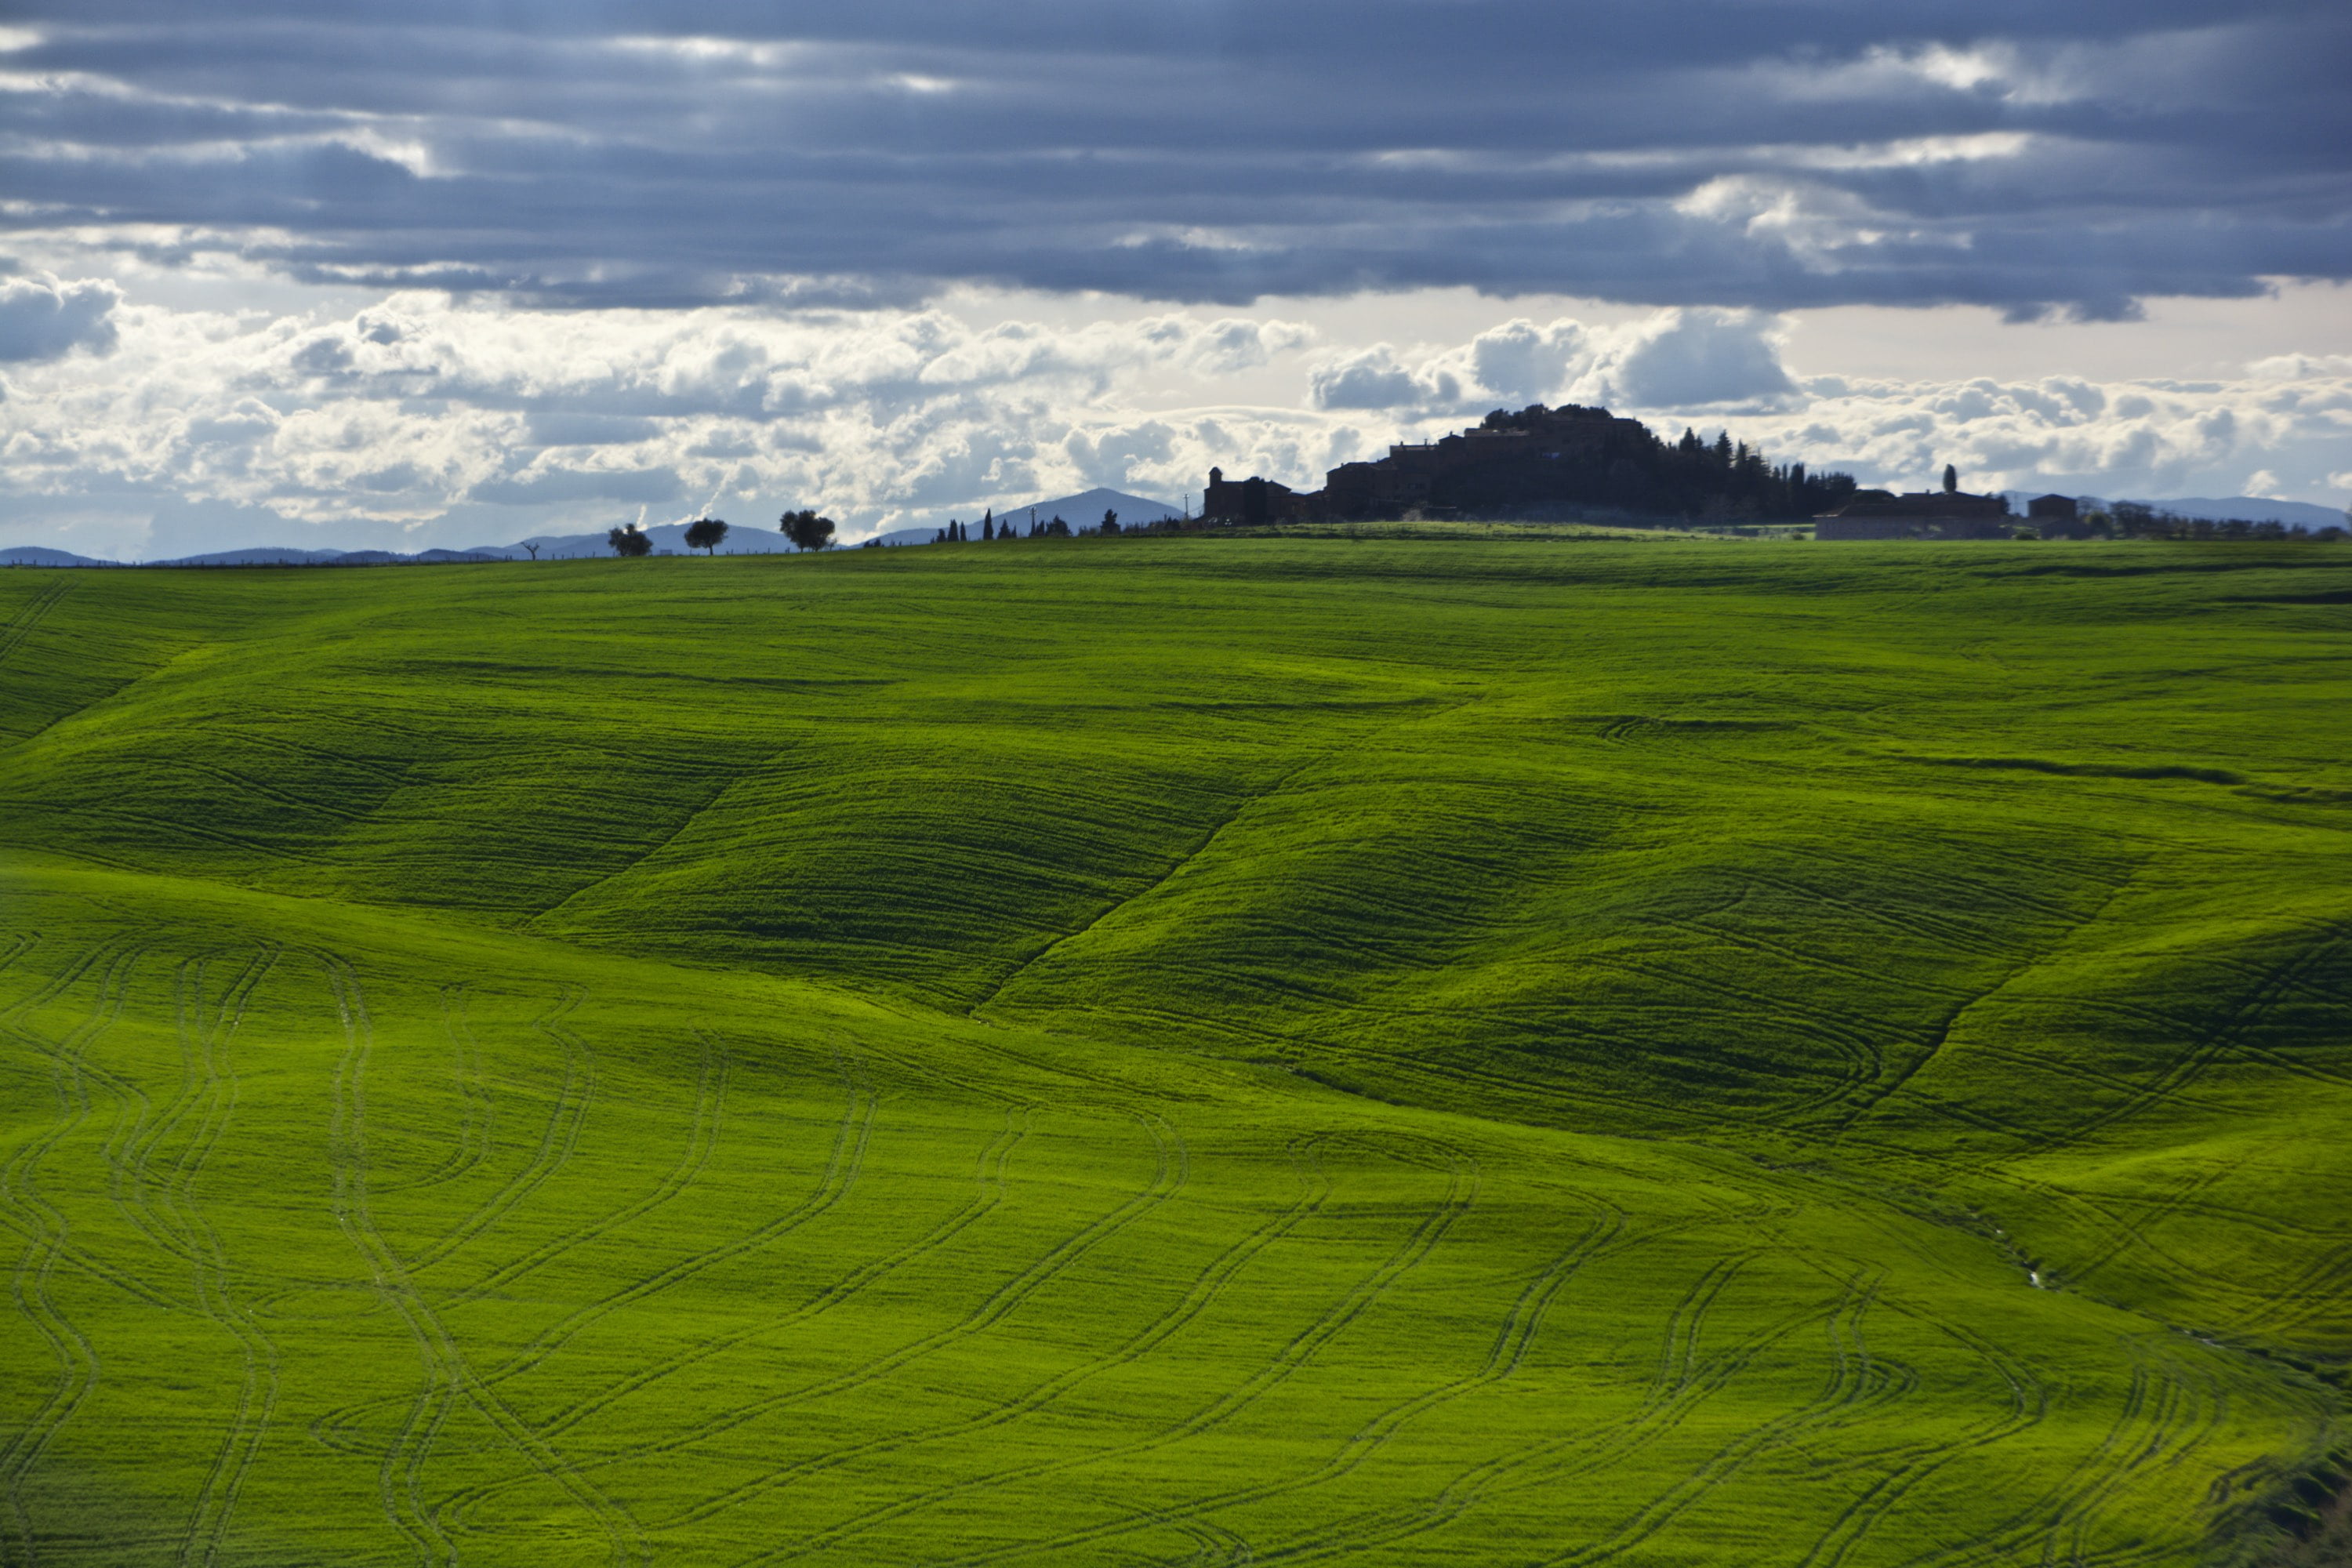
<point>558,429</point>
<point>560,484</point>
<point>1700,359</point>
<point>42,319</point>
<point>1371,379</point>
<point>2031,157</point>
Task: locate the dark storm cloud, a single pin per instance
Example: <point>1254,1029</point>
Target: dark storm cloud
<point>2029,157</point>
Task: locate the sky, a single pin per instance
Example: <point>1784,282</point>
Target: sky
<point>447,274</point>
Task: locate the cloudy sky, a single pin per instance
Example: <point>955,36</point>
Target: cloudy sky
<point>444,273</point>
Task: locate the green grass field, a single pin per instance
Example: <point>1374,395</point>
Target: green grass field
<point>1186,1051</point>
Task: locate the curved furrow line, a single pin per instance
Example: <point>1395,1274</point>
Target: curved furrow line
<point>1172,1168</point>
<point>76,1358</point>
<point>1505,1354</point>
<point>1802,959</point>
<point>1848,1379</point>
<point>1942,1033</point>
<point>347,1133</point>
<point>1207,1287</point>
<point>850,1145</point>
<point>840,1175</point>
<point>2318,1292</point>
<point>2181,1422</point>
<point>1682,1384</point>
<point>476,1115</point>
<point>1462,1183</point>
<point>2079,1207</point>
<point>844,1163</point>
<point>2150,1422</point>
<point>557,1138</point>
<point>29,1223</point>
<point>2231,1032</point>
<point>1915,1462</point>
<point>1913,923</point>
<point>988,1176</point>
<point>2184,1198</point>
<point>447,1377</point>
<point>702,1133</point>
<point>21,625</point>
<point>1947,878</point>
<point>256,1398</point>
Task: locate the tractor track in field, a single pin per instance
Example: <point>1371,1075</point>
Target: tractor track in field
<point>702,1134</point>
<point>988,1192</point>
<point>448,1378</point>
<point>847,1154</point>
<point>557,1139</point>
<point>1172,1170</point>
<point>1462,1179</point>
<point>476,1109</point>
<point>2155,1421</point>
<point>174,1221</point>
<point>839,1176</point>
<point>1506,1353</point>
<point>2220,1039</point>
<point>1850,1382</point>
<point>26,620</point>
<point>1681,1381</point>
<point>2029,1403</point>
<point>990,1168</point>
<point>48,1229</point>
<point>1207,1288</point>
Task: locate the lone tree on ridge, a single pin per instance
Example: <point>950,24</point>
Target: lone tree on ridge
<point>704,534</point>
<point>1951,479</point>
<point>806,530</point>
<point>629,542</point>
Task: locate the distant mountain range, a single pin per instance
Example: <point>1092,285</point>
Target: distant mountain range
<point>1084,510</point>
<point>268,556</point>
<point>669,538</point>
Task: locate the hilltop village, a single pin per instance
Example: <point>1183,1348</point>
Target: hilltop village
<point>1545,463</point>
<point>1531,463</point>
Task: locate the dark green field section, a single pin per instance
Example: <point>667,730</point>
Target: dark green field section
<point>1180,1051</point>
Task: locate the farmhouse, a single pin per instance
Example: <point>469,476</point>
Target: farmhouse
<point>1921,514</point>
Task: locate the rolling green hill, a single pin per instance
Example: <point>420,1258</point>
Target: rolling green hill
<point>1180,1051</point>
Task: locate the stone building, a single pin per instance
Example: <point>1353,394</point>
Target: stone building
<point>1921,514</point>
<point>1255,500</point>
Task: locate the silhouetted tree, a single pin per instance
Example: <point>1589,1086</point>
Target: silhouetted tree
<point>629,542</point>
<point>532,548</point>
<point>1951,479</point>
<point>1109,522</point>
<point>704,534</point>
<point>806,530</point>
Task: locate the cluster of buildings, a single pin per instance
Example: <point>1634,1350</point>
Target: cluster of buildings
<point>1949,513</point>
<point>1416,477</point>
<point>1519,463</point>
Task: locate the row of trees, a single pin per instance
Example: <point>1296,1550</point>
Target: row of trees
<point>2137,520</point>
<point>805,529</point>
<point>957,533</point>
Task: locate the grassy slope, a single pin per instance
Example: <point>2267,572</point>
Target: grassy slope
<point>1156,1051</point>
